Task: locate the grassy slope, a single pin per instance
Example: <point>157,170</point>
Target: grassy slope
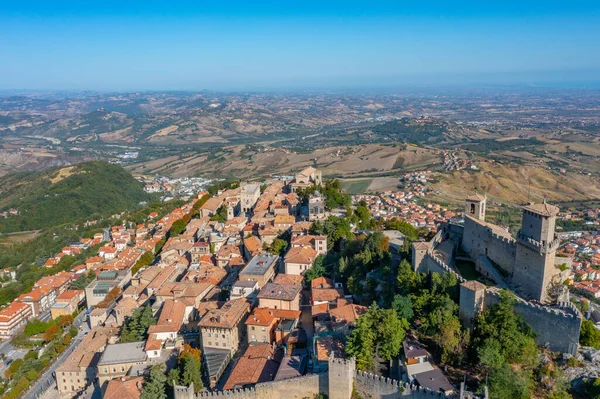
<point>59,196</point>
<point>517,184</point>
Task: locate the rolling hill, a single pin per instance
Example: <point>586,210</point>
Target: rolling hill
<point>58,196</point>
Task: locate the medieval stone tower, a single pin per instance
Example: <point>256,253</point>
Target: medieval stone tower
<point>341,377</point>
<point>536,249</point>
<point>475,206</point>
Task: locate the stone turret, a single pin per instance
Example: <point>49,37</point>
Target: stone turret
<point>475,206</point>
<point>341,377</point>
<point>535,269</point>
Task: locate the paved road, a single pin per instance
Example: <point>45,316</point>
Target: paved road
<point>47,379</point>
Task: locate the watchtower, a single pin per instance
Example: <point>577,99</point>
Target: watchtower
<point>536,250</point>
<point>475,206</point>
<point>341,377</point>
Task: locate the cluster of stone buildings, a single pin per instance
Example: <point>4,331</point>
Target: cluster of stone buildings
<point>215,285</point>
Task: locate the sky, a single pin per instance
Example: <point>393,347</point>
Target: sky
<point>254,45</point>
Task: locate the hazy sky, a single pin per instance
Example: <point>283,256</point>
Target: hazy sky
<point>221,44</point>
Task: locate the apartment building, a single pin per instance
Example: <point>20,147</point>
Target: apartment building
<point>261,268</point>
<point>223,328</point>
<point>13,318</point>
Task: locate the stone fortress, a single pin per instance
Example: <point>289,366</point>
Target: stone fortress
<point>526,266</point>
<point>338,382</point>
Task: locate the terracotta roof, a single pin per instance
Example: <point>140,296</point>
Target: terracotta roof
<point>289,279</point>
<point>183,289</point>
<point>301,226</point>
<point>212,204</point>
<point>303,255</point>
<point>348,313</point>
<point>319,310</point>
<point>307,240</point>
<point>253,244</point>
<point>326,294</point>
<point>258,364</point>
<point>328,344</point>
<point>284,219</point>
<point>266,316</point>
<point>68,295</point>
<point>543,209</point>
<point>476,197</point>
<point>321,282</point>
<point>227,316</point>
<point>124,388</point>
<point>7,313</point>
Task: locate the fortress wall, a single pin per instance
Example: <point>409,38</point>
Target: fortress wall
<point>454,231</point>
<point>373,386</point>
<point>307,386</point>
<point>487,269</point>
<point>474,237</point>
<point>478,239</point>
<point>433,264</point>
<point>502,251</point>
<point>556,328</point>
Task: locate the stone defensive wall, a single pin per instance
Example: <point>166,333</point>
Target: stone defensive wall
<point>432,263</point>
<point>307,386</point>
<point>369,385</point>
<point>337,383</point>
<point>555,327</point>
<point>480,239</point>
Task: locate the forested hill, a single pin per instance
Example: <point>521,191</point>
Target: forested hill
<point>58,196</point>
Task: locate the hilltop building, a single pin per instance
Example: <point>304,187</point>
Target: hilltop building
<point>529,260</point>
<point>526,266</point>
<point>307,178</point>
<point>250,194</point>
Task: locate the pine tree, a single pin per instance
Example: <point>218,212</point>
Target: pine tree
<point>155,385</point>
<point>191,372</point>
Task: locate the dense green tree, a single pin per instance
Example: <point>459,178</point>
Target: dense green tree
<point>173,377</point>
<point>136,326</point>
<point>35,326</point>
<point>145,260</point>
<point>379,332</point>
<point>335,228</point>
<point>317,270</point>
<point>589,335</point>
<point>403,307</point>
<point>335,197</point>
<point>592,388</point>
<point>221,215</point>
<point>155,385</point>
<point>83,281</point>
<point>411,233</point>
<point>190,372</point>
<point>177,228</point>
<point>278,247</point>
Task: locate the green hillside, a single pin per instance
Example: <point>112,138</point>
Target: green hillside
<point>58,196</point>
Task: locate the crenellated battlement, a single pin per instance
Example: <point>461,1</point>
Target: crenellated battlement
<point>542,248</point>
<point>501,238</point>
<point>445,267</point>
<point>387,386</point>
<point>557,327</point>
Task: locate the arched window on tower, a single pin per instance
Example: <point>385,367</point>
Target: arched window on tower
<point>473,208</point>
